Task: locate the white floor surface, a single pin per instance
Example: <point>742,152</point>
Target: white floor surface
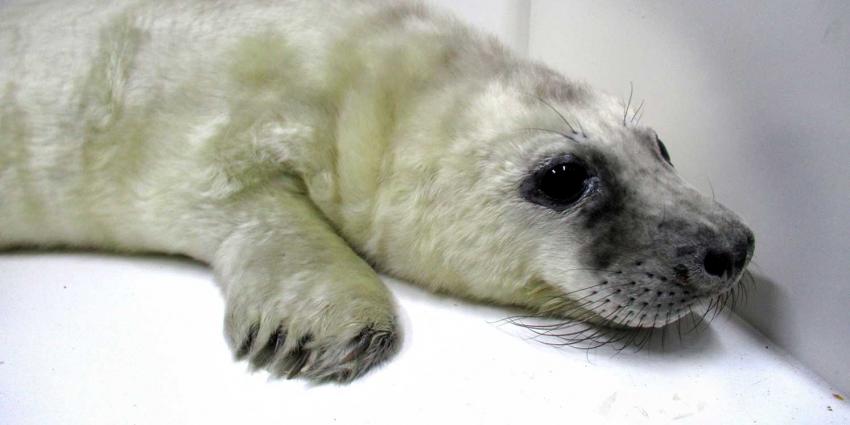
<point>101,339</point>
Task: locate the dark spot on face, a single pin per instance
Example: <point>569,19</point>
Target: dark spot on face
<point>684,251</point>
<point>604,259</point>
<point>682,273</point>
<point>606,219</point>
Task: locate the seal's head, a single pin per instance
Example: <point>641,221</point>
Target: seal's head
<point>543,193</point>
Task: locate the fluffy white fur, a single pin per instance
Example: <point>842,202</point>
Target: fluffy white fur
<point>274,139</point>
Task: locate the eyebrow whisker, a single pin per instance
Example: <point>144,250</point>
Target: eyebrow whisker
<point>637,111</point>
<point>629,103</point>
<point>556,111</point>
<point>546,130</point>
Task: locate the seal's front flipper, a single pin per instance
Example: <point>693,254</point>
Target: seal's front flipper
<point>300,302</point>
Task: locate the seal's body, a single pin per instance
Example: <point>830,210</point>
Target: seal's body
<point>274,139</point>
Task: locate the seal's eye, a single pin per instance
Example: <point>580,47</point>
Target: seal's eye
<point>559,184</point>
<point>564,183</point>
<point>663,150</point>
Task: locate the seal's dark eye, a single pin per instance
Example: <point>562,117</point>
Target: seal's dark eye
<point>559,184</point>
<point>663,150</point>
<point>564,182</point>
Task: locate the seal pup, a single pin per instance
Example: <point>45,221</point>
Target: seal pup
<point>299,146</point>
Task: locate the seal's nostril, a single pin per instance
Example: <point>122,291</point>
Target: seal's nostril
<point>718,263</point>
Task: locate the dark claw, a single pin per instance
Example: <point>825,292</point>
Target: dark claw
<point>296,359</point>
<point>370,347</point>
<point>268,351</point>
<point>245,348</point>
<point>360,344</point>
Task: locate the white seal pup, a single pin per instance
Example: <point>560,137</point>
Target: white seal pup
<point>298,146</point>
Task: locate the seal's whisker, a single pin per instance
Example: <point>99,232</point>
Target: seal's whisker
<point>694,323</point>
<point>607,337</point>
<point>679,329</point>
<point>544,327</point>
<point>546,130</point>
<point>581,128</point>
<point>639,116</point>
<point>627,342</point>
<point>599,336</point>
<point>580,320</point>
<point>612,335</point>
<point>733,302</point>
<point>569,338</point>
<point>645,340</point>
<point>629,103</point>
<point>637,111</point>
<point>596,342</point>
<point>579,331</point>
<point>721,306</point>
<point>556,111</point>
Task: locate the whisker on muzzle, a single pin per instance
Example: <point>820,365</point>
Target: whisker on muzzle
<point>586,329</point>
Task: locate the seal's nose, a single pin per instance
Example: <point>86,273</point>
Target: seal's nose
<point>723,263</point>
<point>717,263</point>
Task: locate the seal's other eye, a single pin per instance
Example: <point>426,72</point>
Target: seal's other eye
<point>663,150</point>
<point>559,184</point>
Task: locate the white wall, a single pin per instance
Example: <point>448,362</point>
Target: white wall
<point>752,98</point>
